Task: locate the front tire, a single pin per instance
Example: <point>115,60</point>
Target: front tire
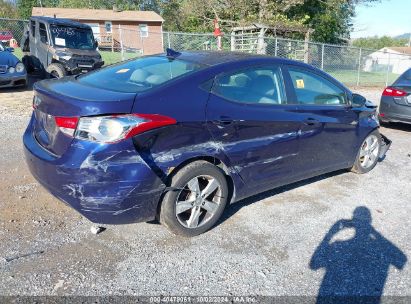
<point>56,70</point>
<point>197,201</point>
<point>368,154</point>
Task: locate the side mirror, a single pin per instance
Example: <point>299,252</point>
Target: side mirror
<point>358,100</point>
<point>95,43</point>
<point>10,49</point>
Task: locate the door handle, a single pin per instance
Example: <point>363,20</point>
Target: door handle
<point>223,120</point>
<point>311,121</point>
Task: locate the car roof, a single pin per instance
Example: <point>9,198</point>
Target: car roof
<point>211,58</point>
<point>60,21</point>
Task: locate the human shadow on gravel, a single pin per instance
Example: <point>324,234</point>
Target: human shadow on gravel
<point>356,269</point>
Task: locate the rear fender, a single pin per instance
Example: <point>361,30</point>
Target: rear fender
<point>165,150</point>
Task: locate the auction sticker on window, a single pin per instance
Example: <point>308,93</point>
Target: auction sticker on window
<point>300,83</point>
<point>60,41</point>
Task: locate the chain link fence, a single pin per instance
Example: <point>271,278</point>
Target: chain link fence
<point>352,66</point>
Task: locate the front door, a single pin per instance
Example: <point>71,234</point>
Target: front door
<point>247,112</point>
<point>328,125</point>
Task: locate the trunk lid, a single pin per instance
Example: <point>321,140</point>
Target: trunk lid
<point>68,98</point>
<point>405,100</point>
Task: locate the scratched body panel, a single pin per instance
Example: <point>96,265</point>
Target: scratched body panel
<point>105,183</point>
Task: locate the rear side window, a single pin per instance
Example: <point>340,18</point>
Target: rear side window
<point>404,79</point>
<point>312,89</point>
<point>139,75</point>
<point>260,85</point>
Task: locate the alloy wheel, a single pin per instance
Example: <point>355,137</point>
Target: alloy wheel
<point>198,201</point>
<point>369,151</point>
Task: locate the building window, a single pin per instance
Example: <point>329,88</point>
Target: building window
<point>108,25</point>
<point>143,30</point>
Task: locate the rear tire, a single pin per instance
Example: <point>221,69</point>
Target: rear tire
<point>187,212</point>
<point>56,70</point>
<point>368,153</point>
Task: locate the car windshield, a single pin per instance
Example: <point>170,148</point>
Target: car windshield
<point>139,75</point>
<point>71,37</point>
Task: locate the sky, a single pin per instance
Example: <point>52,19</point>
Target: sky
<point>388,17</point>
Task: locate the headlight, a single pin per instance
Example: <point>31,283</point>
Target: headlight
<point>62,55</point>
<point>12,70</point>
<point>19,67</point>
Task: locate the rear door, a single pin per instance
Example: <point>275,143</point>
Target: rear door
<point>247,112</point>
<point>327,137</point>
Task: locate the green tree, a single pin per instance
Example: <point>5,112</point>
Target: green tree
<point>198,16</point>
<point>8,10</point>
<point>330,19</point>
<point>379,42</point>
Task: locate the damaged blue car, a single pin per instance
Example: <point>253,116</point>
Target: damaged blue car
<point>179,136</point>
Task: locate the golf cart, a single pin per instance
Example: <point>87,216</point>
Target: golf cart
<point>59,47</point>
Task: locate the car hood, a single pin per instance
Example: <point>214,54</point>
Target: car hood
<point>7,58</point>
<point>80,52</point>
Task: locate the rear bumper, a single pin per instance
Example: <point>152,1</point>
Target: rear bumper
<point>393,112</point>
<point>108,184</point>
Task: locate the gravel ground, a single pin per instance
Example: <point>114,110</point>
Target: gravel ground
<point>263,246</point>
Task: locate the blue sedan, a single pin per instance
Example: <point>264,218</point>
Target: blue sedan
<point>12,71</point>
<point>179,136</point>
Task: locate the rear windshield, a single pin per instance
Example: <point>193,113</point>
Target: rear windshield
<point>139,75</point>
<point>404,79</point>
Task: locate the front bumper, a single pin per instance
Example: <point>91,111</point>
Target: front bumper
<point>108,184</point>
<point>76,67</point>
<point>385,146</point>
<point>13,80</point>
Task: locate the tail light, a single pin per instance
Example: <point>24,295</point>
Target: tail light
<point>67,125</point>
<point>393,92</point>
<point>113,128</point>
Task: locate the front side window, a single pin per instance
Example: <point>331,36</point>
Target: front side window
<point>139,75</point>
<point>312,89</point>
<point>262,85</point>
<point>74,38</point>
<point>143,30</point>
<point>43,33</point>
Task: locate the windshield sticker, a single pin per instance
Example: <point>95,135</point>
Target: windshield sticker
<point>300,83</point>
<point>122,71</point>
<point>62,30</point>
<point>60,41</point>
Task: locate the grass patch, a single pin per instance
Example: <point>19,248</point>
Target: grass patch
<point>114,57</point>
<point>350,78</point>
<point>347,77</point>
<point>108,57</point>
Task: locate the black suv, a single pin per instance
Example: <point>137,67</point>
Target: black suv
<point>59,47</point>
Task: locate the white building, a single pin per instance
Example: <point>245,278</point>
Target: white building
<point>394,59</point>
